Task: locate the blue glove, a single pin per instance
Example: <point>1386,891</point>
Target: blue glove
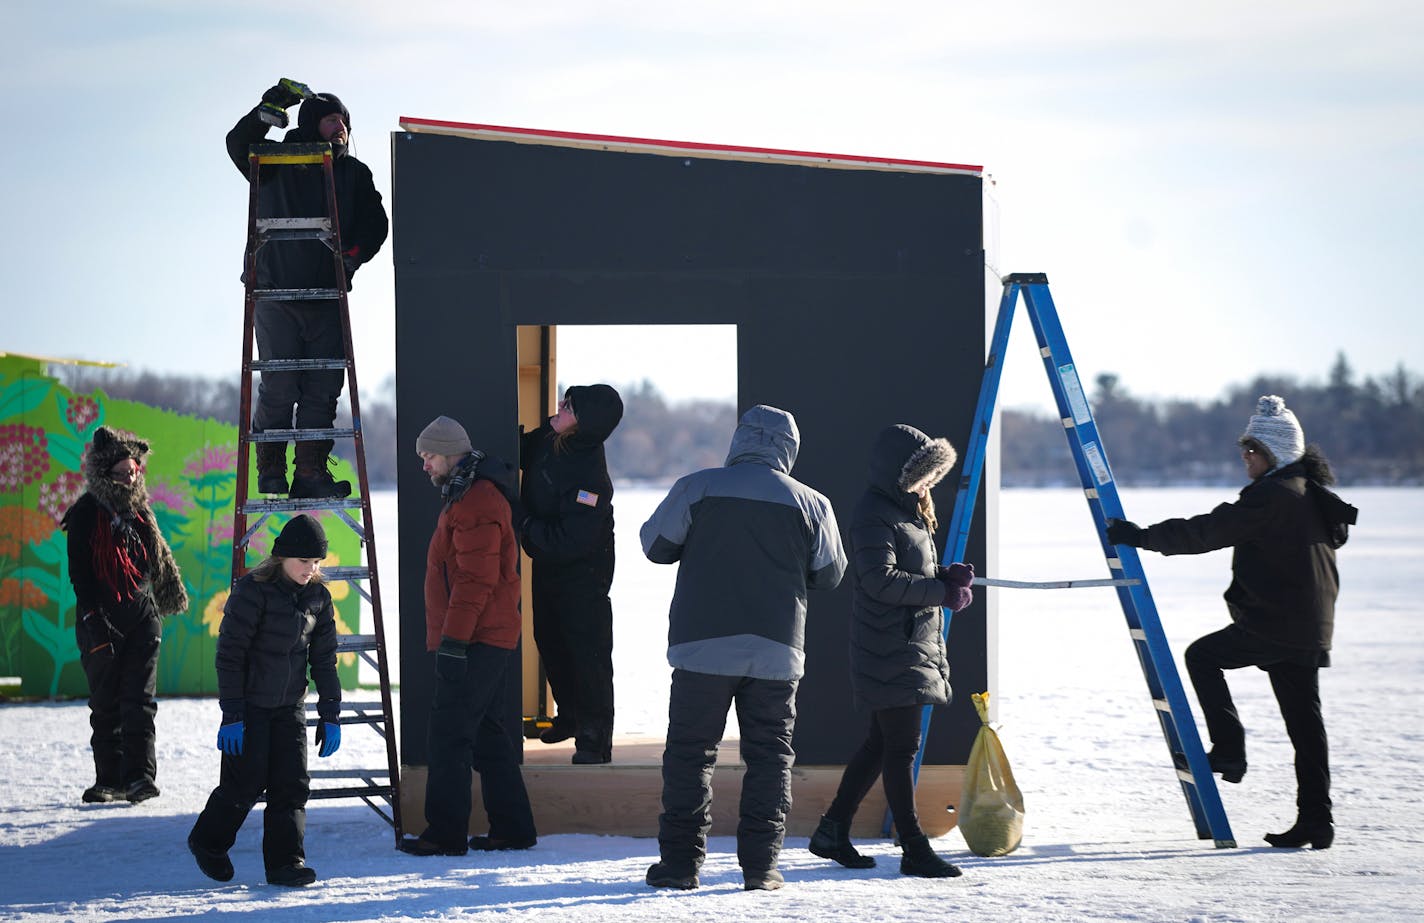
<point>230,738</point>
<point>328,738</point>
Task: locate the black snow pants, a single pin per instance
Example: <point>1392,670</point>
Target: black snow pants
<point>273,760</point>
<point>305,399</point>
<point>888,753</point>
<point>573,628</point>
<point>697,717</point>
<point>123,678</point>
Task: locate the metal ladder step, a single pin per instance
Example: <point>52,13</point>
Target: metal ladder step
<point>296,365</point>
<point>295,294</point>
<point>253,507</point>
<point>276,229</point>
<point>298,435</point>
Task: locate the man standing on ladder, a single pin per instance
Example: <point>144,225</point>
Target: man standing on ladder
<point>305,329</point>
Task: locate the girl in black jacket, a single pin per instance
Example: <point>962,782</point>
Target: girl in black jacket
<point>278,621</point>
<point>566,528</point>
<point>124,581</point>
<point>897,656</point>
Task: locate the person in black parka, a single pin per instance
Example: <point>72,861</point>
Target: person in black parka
<point>278,622</point>
<point>125,580</point>
<point>898,662</point>
<point>305,329</point>
<point>1283,530</point>
<point>566,528</point>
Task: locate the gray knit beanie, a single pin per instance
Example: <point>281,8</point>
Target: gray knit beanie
<point>444,437</point>
<point>1276,428</point>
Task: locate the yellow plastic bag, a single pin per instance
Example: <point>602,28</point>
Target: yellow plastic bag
<point>991,809</point>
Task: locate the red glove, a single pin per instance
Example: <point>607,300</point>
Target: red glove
<point>957,597</point>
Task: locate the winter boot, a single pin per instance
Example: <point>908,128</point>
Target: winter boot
<point>665,875</point>
<point>214,864</point>
<point>101,794</point>
<point>919,859</point>
<point>142,790</point>
<point>271,467</point>
<point>499,844</point>
<point>312,480</point>
<point>559,730</point>
<point>1319,833</point>
<point>420,846</point>
<point>291,876</point>
<point>832,841</point>
<point>1232,769</point>
<point>761,880</point>
<point>593,746</point>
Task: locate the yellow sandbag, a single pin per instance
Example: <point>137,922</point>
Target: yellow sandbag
<point>991,808</point>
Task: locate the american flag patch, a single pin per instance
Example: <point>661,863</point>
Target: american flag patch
<point>587,498</point>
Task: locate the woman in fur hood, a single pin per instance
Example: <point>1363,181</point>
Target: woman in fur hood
<point>124,579</point>
<point>897,657</point>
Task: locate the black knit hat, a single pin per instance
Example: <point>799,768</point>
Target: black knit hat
<point>301,537</point>
<point>318,107</point>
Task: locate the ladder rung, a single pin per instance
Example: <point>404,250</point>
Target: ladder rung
<point>296,365</point>
<point>382,791</point>
<point>346,573</point>
<point>347,773</point>
<point>253,507</point>
<point>357,642</point>
<point>295,294</point>
<point>297,435</point>
<point>294,224</point>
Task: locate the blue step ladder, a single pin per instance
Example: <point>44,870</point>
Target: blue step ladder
<point>1090,458</point>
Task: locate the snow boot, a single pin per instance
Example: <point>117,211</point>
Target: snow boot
<point>593,746</point>
<point>142,790</point>
<point>665,875</point>
<point>311,480</point>
<point>420,846</point>
<point>832,841</point>
<point>212,863</point>
<point>1318,833</point>
<point>920,860</point>
<point>271,467</point>
<point>762,880</point>
<point>559,730</point>
<point>1232,769</point>
<point>291,876</point>
<point>499,844</point>
<point>101,794</point>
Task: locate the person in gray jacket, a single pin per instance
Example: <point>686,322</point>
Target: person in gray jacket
<point>750,540</point>
<point>898,663</point>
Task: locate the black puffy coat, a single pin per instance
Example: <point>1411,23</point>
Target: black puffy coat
<point>1283,575</point>
<point>297,192</point>
<point>897,653</point>
<point>566,492</point>
<point>271,632</point>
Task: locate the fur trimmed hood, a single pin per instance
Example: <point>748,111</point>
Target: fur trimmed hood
<point>904,461</point>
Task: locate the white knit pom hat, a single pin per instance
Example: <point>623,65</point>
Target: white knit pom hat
<point>1276,428</point>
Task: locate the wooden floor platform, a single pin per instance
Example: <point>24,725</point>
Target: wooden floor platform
<point>623,797</point>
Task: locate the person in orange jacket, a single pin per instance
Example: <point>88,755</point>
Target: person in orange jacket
<point>472,628</point>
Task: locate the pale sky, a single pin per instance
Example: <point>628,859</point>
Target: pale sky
<point>1215,189</point>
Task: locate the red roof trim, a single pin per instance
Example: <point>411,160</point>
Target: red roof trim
<point>534,134</point>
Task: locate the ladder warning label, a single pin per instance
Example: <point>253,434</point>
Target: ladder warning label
<point>1096,461</point>
<point>1073,388</point>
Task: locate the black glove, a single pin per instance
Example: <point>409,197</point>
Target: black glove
<point>349,264</point>
<point>450,660</point>
<point>958,574</point>
<point>281,96</point>
<point>1124,532</point>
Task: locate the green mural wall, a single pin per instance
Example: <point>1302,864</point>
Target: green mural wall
<point>192,479</point>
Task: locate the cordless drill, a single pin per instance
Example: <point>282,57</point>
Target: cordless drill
<point>275,102</point>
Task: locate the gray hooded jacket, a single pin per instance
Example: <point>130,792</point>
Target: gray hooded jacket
<point>750,539</point>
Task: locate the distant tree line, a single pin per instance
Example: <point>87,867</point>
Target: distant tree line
<point>1371,430</point>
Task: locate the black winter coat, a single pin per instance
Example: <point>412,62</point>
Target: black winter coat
<point>566,492</point>
<point>298,192</point>
<point>897,653</point>
<point>1283,576</point>
<point>270,633</point>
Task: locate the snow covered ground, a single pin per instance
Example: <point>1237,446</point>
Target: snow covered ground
<point>1108,835</point>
